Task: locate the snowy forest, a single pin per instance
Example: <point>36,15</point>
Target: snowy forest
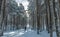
<point>29,18</point>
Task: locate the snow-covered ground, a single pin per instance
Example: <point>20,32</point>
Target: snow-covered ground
<point>27,33</point>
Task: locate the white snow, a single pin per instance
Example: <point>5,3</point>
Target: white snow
<point>27,33</point>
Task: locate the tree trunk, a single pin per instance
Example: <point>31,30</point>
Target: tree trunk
<point>47,16</point>
<point>38,16</point>
<point>56,19</point>
<point>3,13</point>
<point>51,21</point>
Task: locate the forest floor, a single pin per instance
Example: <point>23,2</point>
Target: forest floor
<point>27,33</point>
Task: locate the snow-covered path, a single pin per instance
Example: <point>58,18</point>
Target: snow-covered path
<point>27,33</point>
